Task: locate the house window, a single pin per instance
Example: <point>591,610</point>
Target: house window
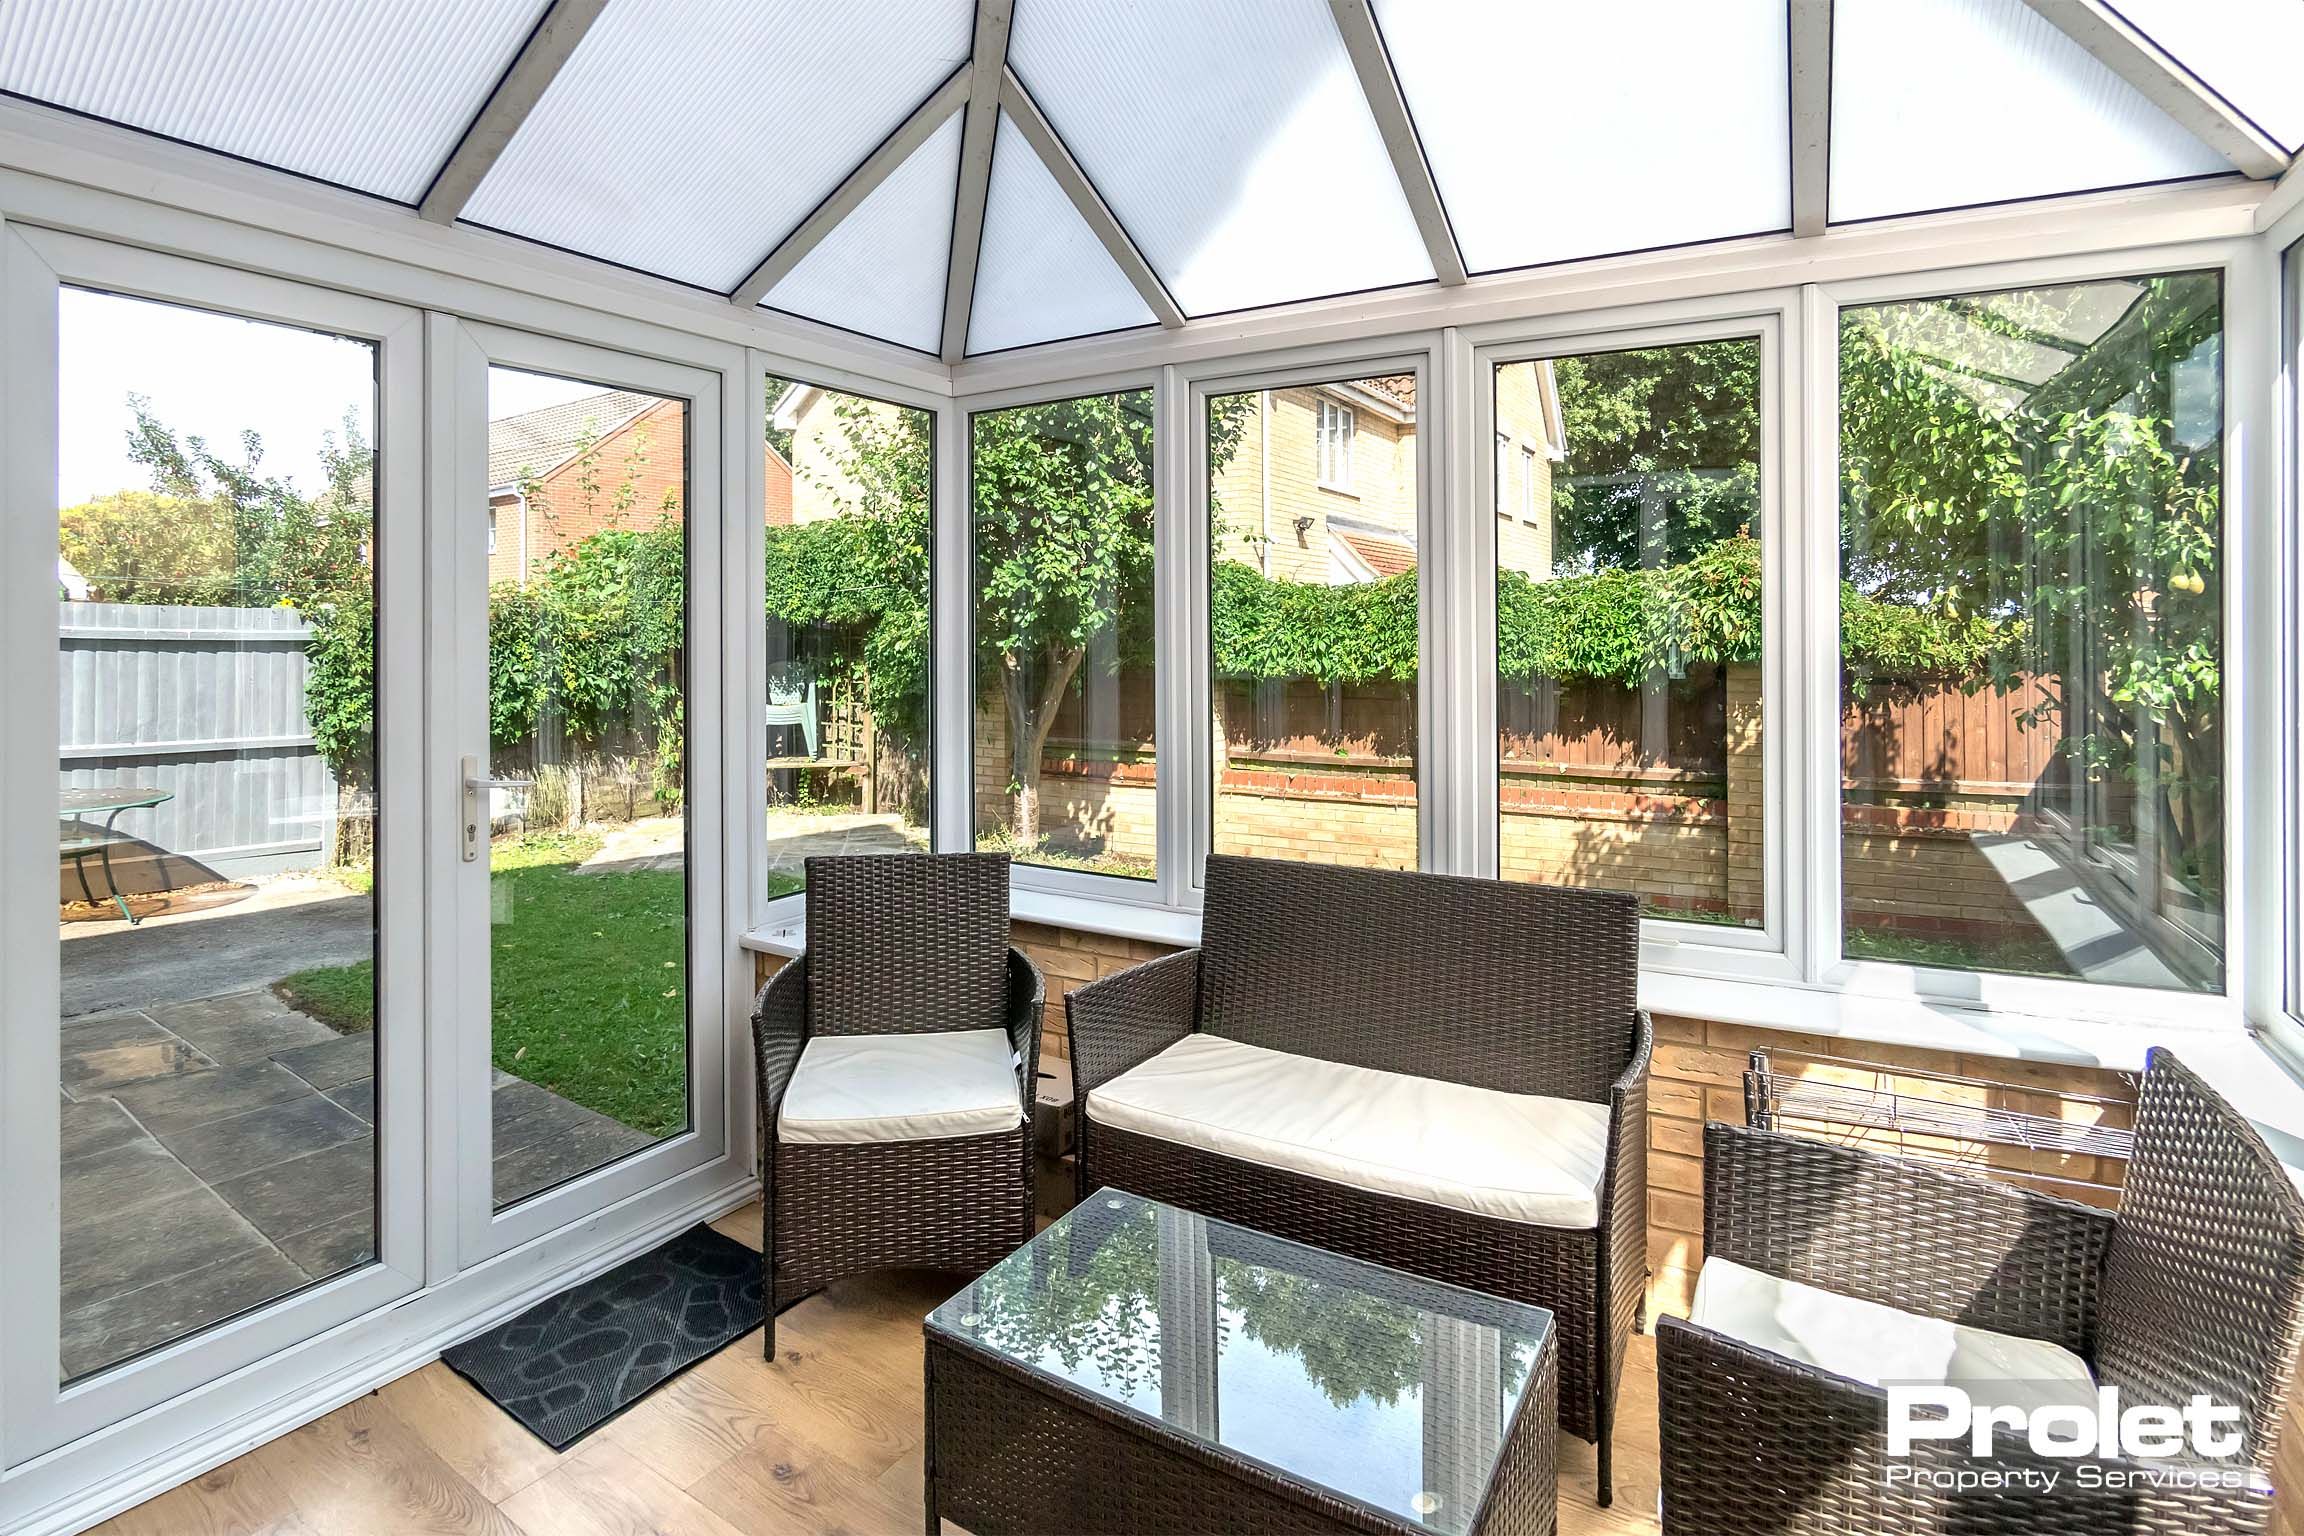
<point>1314,752</point>
<point>491,530</point>
<point>1066,772</point>
<point>1528,486</point>
<point>1636,764</point>
<point>1503,473</point>
<point>847,512</point>
<point>1335,445</point>
<point>2032,727</point>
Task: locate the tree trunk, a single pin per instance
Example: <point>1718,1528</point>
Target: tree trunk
<point>1031,713</point>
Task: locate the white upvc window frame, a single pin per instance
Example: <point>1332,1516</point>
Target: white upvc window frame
<point>462,354</point>
<point>955,632</point>
<point>39,1413</point>
<point>1335,427</point>
<point>1187,591</point>
<point>1773,952</point>
<point>128,1433</point>
<point>2248,323</point>
<point>950,583</point>
<point>2276,998</point>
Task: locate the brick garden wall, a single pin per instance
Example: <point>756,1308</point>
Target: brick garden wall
<point>1306,776</point>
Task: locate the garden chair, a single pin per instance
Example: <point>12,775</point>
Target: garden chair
<point>896,1062</point>
<point>1831,1273</point>
<point>1444,1075</point>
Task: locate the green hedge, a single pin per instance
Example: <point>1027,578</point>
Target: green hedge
<point>596,640</point>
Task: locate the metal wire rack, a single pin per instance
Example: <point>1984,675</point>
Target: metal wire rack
<point>1967,1113</point>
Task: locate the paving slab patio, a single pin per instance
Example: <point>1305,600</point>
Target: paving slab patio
<point>219,1154</point>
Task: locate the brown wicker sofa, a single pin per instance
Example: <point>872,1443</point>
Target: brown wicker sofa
<point>1445,1075</point>
<point>1774,1418</point>
<point>896,1063</point>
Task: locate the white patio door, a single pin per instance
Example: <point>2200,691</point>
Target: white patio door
<point>212,1032</point>
<point>576,566</point>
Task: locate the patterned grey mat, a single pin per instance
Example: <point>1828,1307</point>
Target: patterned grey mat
<point>569,1364</point>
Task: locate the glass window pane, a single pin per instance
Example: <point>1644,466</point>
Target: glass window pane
<point>368,96</point>
<point>849,551</point>
<point>1950,103</point>
<point>1232,142</point>
<point>2031,633</point>
<point>880,272</point>
<point>688,137</point>
<point>1312,613</point>
<point>1065,762</point>
<point>588,893</point>
<point>216,817</point>
<point>1691,145</point>
<point>2245,50</point>
<point>1628,627</point>
<point>1042,274</point>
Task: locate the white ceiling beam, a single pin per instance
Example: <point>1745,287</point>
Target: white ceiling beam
<point>1030,121</point>
<point>1356,21</point>
<point>2129,53</point>
<point>1811,115</point>
<point>989,67</point>
<point>508,106</point>
<point>862,182</point>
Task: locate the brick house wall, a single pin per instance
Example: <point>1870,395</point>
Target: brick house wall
<point>641,462</point>
<point>1282,451</point>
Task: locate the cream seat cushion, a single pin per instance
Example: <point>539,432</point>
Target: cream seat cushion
<point>1877,1345</point>
<point>852,1088</point>
<point>1513,1156</point>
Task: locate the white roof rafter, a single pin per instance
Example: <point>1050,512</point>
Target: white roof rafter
<point>548,47</point>
<point>1030,121</point>
<point>989,65</point>
<point>1356,22</point>
<point>892,152</point>
<point>1811,63</point>
<point>2118,45</point>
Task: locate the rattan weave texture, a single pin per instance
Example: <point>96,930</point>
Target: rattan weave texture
<point>2195,1286</point>
<point>960,1203</point>
<point>1448,992</point>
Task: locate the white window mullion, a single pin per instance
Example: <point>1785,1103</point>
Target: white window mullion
<point>952,624</point>
<point>1180,644</point>
<point>1464,495</point>
<point>1812,562</point>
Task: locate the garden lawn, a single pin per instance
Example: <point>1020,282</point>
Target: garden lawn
<point>588,977</point>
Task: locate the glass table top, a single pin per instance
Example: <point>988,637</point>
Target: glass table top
<point>1387,1389</point>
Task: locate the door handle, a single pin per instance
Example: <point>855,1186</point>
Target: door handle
<point>476,787</point>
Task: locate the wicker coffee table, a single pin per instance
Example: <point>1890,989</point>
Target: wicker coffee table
<point>1140,1368</point>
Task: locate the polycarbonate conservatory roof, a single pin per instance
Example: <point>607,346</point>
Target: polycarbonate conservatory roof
<point>967,176</point>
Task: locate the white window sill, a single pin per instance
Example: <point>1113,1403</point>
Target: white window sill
<point>2259,1082</point>
<point>2112,1042</point>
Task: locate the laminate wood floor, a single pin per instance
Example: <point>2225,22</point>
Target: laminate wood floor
<point>823,1442</point>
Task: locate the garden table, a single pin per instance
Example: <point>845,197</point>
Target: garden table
<point>78,838</point>
<point>1142,1368</point>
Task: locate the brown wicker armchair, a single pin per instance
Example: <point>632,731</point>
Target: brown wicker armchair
<point>2195,1286</point>
<point>896,1063</point>
<point>1492,1013</point>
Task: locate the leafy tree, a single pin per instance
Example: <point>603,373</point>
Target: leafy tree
<point>1063,507</point>
<point>1663,453</point>
<point>284,545</point>
<point>2022,460</point>
<point>145,547</point>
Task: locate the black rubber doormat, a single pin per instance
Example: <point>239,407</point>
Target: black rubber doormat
<point>569,1364</point>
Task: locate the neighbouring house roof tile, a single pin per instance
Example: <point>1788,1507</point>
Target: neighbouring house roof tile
<point>1400,386</point>
<point>540,441</point>
<point>1386,557</point>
